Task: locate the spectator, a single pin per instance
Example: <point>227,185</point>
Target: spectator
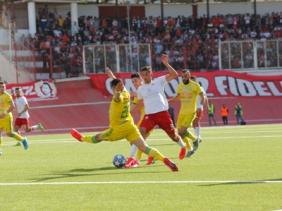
<point>211,112</point>
<point>238,112</point>
<point>224,114</point>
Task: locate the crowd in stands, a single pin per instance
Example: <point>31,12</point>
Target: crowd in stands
<point>190,43</point>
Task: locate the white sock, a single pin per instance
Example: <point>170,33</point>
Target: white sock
<point>197,132</point>
<point>34,127</point>
<point>181,143</point>
<point>133,150</point>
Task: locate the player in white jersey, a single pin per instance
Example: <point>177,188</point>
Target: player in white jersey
<point>22,108</point>
<point>200,109</point>
<point>151,92</point>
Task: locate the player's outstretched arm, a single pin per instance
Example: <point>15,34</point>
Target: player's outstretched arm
<point>109,73</point>
<point>172,74</point>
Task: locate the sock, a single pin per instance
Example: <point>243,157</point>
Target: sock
<point>188,144</point>
<point>189,135</point>
<point>0,140</point>
<point>133,150</point>
<point>17,136</point>
<point>90,139</point>
<point>139,154</point>
<point>181,143</point>
<point>34,127</point>
<point>154,153</point>
<point>197,132</point>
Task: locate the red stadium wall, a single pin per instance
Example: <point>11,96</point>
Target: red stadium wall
<point>80,105</point>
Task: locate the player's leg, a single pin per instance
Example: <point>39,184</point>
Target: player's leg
<point>135,138</point>
<point>17,127</point>
<point>146,126</point>
<point>196,123</point>
<point>165,122</point>
<point>183,123</point>
<point>38,126</point>
<point>131,161</point>
<point>155,154</point>
<point>88,139</point>
<point>11,133</point>
<point>111,134</point>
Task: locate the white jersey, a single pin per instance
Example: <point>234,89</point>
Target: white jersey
<point>153,96</point>
<point>199,99</point>
<point>20,103</point>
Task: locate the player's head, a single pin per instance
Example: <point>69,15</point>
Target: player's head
<point>18,91</point>
<point>2,87</point>
<point>186,75</point>
<point>146,74</point>
<point>136,80</point>
<point>117,85</point>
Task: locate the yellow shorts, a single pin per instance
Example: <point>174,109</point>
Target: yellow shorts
<point>6,124</point>
<point>185,120</point>
<point>127,130</point>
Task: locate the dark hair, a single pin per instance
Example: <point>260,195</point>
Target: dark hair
<point>2,83</point>
<point>135,75</point>
<point>18,88</point>
<point>146,68</point>
<point>185,70</point>
<point>115,82</point>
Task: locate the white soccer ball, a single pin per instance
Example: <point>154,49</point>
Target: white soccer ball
<point>119,161</point>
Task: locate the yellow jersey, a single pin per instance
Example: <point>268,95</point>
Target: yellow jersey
<point>5,102</point>
<point>120,111</point>
<point>188,96</point>
<point>141,108</point>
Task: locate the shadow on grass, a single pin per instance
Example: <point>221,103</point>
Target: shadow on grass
<point>108,170</point>
<point>243,182</point>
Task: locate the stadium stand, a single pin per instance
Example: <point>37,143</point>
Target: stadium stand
<point>188,41</point>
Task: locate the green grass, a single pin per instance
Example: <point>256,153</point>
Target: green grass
<point>246,155</point>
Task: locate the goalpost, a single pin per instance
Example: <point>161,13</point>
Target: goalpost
<point>119,57</point>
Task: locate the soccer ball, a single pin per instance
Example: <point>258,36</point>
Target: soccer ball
<point>119,161</point>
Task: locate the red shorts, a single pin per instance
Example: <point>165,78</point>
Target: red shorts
<point>199,114</point>
<point>161,119</point>
<point>21,121</point>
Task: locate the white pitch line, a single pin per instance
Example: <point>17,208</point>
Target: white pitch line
<point>141,182</point>
<point>66,140</point>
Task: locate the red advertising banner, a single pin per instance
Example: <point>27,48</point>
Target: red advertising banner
<point>216,83</point>
<point>36,90</point>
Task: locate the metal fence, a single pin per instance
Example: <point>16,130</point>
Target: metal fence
<point>250,54</point>
<point>119,57</point>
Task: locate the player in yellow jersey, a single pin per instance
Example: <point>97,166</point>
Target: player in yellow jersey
<point>6,117</point>
<point>131,161</point>
<point>122,125</point>
<point>187,93</point>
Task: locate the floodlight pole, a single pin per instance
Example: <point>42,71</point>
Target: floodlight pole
<point>255,8</point>
<point>208,10</point>
<point>129,35</point>
<point>162,12</point>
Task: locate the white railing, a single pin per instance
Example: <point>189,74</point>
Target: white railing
<point>250,54</point>
<point>119,57</point>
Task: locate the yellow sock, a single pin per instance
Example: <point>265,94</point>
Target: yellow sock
<point>17,136</point>
<point>187,142</point>
<point>190,136</point>
<point>154,153</point>
<point>139,154</point>
<point>89,139</point>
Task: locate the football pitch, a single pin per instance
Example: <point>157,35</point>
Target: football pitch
<point>235,168</point>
